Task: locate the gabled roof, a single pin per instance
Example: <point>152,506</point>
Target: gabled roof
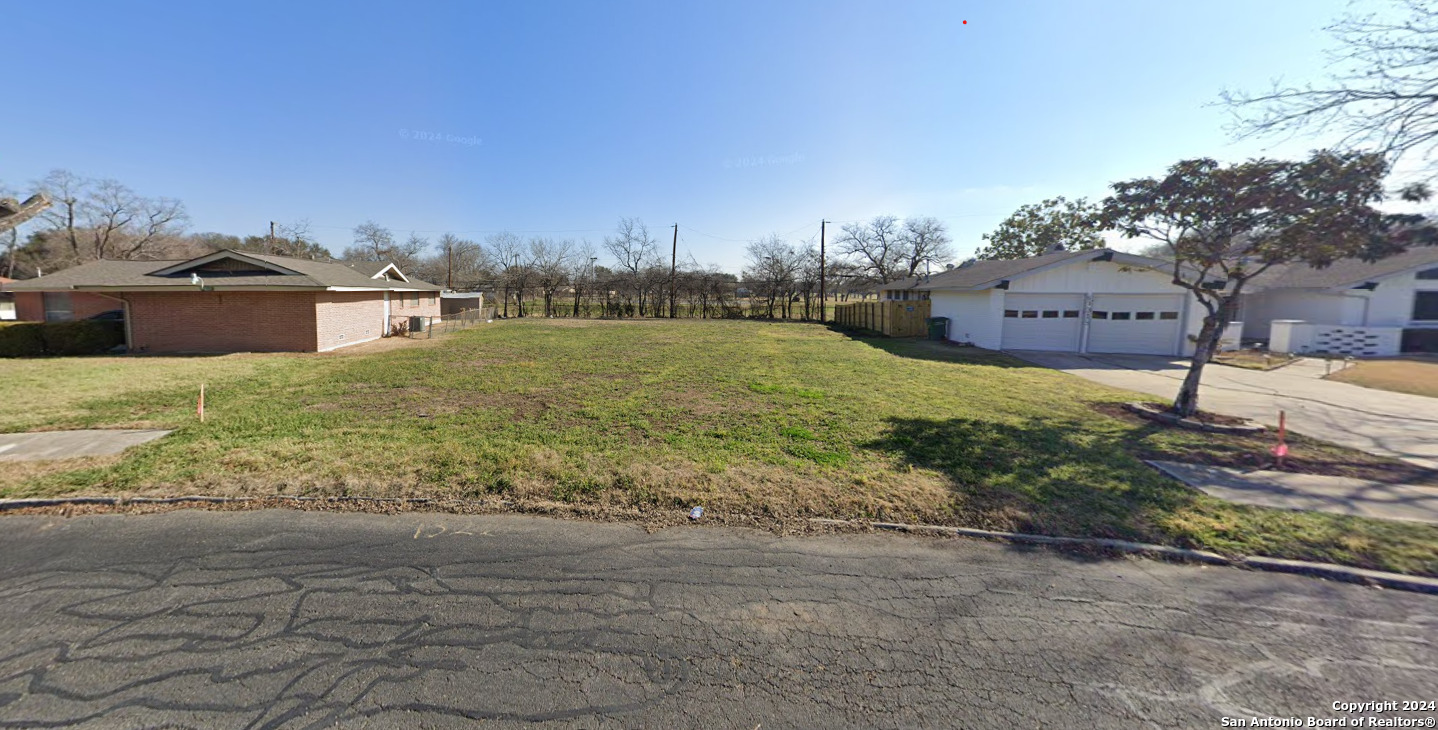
<point>990,273</point>
<point>279,272</point>
<point>1344,273</point>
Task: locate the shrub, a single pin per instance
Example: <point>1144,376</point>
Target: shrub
<point>21,339</point>
<point>37,339</point>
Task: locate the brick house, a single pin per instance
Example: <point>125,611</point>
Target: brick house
<point>233,301</point>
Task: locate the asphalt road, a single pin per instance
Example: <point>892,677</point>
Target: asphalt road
<point>293,619</point>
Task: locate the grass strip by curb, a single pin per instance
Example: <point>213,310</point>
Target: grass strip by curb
<point>1331,571</point>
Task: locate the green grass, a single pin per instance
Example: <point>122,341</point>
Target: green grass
<point>761,418</point>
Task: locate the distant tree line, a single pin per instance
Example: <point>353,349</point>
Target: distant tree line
<point>627,274</point>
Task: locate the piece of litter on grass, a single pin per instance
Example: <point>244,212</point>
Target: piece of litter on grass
<point>696,513</point>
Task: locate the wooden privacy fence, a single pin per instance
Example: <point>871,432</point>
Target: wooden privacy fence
<point>895,319</point>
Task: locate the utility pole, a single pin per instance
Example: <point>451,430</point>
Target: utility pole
<point>673,260</point>
<point>449,269</point>
<point>823,301</point>
<point>271,249</point>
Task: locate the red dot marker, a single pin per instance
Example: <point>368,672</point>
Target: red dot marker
<point>966,22</point>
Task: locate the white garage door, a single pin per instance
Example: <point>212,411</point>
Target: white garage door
<point>1140,324</point>
<point>1042,321</point>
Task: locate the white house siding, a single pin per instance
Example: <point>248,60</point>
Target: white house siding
<point>978,317</point>
<point>974,317</point>
<point>1391,304</point>
<point>1261,308</point>
<point>1107,277</point>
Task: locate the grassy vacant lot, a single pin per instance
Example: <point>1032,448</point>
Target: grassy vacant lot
<point>1419,377</point>
<point>777,419</point>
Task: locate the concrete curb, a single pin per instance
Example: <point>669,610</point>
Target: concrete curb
<point>9,504</point>
<point>1330,571</point>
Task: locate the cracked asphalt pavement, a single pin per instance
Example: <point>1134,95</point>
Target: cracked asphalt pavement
<point>269,619</point>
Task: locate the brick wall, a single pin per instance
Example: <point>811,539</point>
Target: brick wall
<point>403,304</point>
<point>194,321</point>
<point>344,318</point>
<point>30,305</point>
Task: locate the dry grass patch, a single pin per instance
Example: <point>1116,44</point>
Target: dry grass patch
<point>745,418</point>
<point>1417,377</point>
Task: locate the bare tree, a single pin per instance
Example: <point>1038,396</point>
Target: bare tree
<point>772,268</point>
<point>581,271</point>
<point>1382,94</point>
<point>103,219</point>
<point>372,242</point>
<point>926,243</point>
<point>634,251</point>
<point>458,262</point>
<point>875,247</point>
<point>549,260</point>
<point>509,252</point>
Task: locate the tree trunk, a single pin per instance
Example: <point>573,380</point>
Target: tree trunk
<point>1186,403</point>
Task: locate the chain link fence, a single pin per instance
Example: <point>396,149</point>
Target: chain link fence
<point>424,327</point>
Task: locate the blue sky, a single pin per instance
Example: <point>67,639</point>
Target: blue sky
<point>735,119</point>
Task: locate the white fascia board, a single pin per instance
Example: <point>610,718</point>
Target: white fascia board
<point>375,288</point>
<point>381,273</point>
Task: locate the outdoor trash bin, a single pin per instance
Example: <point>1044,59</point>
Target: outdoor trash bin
<point>938,328</point>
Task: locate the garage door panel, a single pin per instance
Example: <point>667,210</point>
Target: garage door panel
<point>1139,324</point>
<point>1042,321</point>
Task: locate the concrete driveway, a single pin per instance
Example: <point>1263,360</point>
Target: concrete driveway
<point>283,619</point>
<point>1376,421</point>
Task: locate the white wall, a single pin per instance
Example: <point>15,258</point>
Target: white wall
<point>977,317</point>
<point>974,317</point>
<point>1391,304</point>
<point>1103,277</point>
<point>1261,308</point>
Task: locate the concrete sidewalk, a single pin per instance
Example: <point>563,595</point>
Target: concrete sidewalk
<point>1377,421</point>
<point>1285,490</point>
<point>71,444</point>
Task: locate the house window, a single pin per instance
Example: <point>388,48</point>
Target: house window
<point>1143,315</point>
<point>1051,314</point>
<point>1100,315</point>
<point>1427,275</point>
<point>1071,314</point>
<point>1031,314</point>
<point>1425,306</point>
<point>1123,315</point>
<point>57,306</point>
<point>414,299</point>
<point>1168,315</point>
<point>1011,313</point>
<point>431,297</point>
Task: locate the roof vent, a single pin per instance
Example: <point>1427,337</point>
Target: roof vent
<point>1056,247</point>
<point>967,263</point>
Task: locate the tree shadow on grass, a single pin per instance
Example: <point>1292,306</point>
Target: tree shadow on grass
<point>1038,476</point>
<point>922,349</point>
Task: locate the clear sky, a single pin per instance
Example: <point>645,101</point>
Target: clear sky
<point>734,119</point>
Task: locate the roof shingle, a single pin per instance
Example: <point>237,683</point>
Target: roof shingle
<point>309,274</point>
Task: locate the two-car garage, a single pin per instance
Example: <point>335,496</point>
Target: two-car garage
<point>1076,301</point>
<point>1146,324</point>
